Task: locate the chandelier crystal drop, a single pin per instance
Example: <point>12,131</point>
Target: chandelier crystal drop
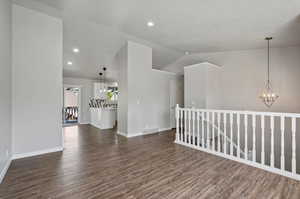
<point>268,96</point>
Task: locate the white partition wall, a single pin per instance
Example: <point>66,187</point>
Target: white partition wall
<point>144,93</point>
<point>202,86</point>
<point>37,83</point>
<point>5,86</point>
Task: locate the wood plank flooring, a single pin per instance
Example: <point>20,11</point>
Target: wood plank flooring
<point>101,164</point>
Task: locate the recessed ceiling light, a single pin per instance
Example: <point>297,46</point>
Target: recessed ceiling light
<point>75,50</point>
<point>150,24</point>
<point>69,63</point>
<point>186,52</point>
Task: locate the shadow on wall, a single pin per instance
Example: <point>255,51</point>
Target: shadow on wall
<point>288,33</point>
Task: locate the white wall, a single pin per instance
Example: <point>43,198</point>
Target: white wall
<point>243,75</point>
<point>139,87</point>
<point>5,85</point>
<point>195,86</point>
<point>202,87</point>
<point>86,92</point>
<point>144,100</point>
<point>241,80</point>
<point>37,81</point>
<point>121,62</point>
<point>159,98</point>
<point>70,98</point>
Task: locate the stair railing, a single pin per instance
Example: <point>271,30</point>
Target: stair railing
<point>223,136</point>
<point>203,129</point>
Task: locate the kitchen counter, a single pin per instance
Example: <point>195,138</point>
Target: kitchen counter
<point>103,118</point>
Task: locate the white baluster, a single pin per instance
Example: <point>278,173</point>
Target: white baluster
<point>272,141</point>
<point>231,134</point>
<point>254,138</point>
<point>282,161</point>
<point>202,129</point>
<point>177,122</point>
<point>181,125</point>
<point>225,125</point>
<point>185,125</point>
<point>246,136</point>
<point>207,130</point>
<point>263,139</point>
<point>238,135</point>
<point>219,137</point>
<point>189,134</point>
<point>294,145</point>
<point>194,137</point>
<point>213,131</point>
<point>198,128</point>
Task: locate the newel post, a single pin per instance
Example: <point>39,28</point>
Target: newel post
<point>177,123</point>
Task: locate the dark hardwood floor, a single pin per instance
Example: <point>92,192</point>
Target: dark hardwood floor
<point>100,164</point>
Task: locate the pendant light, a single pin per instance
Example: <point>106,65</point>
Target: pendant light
<point>104,82</point>
<point>268,96</point>
<point>101,75</point>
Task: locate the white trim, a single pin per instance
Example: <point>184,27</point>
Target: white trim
<point>150,131</point>
<point>254,164</point>
<point>35,153</point>
<point>196,65</point>
<point>275,114</point>
<point>135,135</point>
<point>101,127</point>
<point>128,136</point>
<point>4,170</point>
<point>95,125</point>
<point>163,71</point>
<point>122,133</point>
<point>84,123</point>
<point>164,129</point>
<point>144,133</point>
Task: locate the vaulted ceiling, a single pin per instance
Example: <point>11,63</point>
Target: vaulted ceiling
<point>100,27</point>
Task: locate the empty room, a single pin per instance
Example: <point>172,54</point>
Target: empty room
<point>141,99</point>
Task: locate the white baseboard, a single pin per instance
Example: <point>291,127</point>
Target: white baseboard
<point>101,127</point>
<point>144,133</point>
<point>35,153</point>
<point>84,123</point>
<point>4,170</point>
<point>165,129</point>
<point>122,133</point>
<point>95,125</point>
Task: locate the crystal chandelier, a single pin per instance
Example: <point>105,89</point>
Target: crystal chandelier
<point>268,96</point>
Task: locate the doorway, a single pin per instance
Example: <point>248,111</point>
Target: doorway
<point>71,108</point>
<point>176,97</point>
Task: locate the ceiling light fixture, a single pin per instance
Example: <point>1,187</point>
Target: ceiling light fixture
<point>69,63</point>
<point>186,52</point>
<point>268,96</point>
<point>150,24</point>
<point>75,50</point>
